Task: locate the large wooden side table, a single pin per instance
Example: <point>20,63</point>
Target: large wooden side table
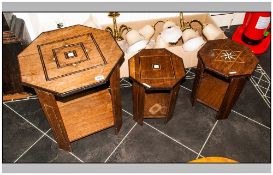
<point>223,67</point>
<point>70,69</point>
<point>156,76</point>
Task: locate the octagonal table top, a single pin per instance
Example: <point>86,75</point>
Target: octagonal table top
<point>69,60</point>
<point>156,68</point>
<point>228,58</point>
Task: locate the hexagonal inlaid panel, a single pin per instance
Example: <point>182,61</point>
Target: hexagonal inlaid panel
<point>61,60</point>
<point>67,60</point>
<point>156,68</point>
<point>227,58</point>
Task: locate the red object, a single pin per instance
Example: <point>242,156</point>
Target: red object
<point>253,31</point>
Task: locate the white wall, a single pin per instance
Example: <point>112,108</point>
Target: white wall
<point>40,22</point>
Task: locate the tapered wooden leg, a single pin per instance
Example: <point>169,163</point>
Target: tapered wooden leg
<point>234,89</point>
<point>196,83</point>
<point>54,118</point>
<point>116,98</point>
<point>138,102</point>
<point>173,98</point>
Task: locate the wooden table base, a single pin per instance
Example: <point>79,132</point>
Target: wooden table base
<point>82,114</point>
<point>153,104</point>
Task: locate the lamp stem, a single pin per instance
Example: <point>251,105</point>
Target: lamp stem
<point>182,22</point>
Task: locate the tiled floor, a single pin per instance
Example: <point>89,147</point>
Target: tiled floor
<point>192,133</point>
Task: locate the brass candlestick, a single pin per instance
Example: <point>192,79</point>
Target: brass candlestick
<point>188,25</point>
<point>115,31</point>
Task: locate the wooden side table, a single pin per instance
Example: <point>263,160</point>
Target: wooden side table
<point>156,76</point>
<point>15,39</point>
<point>69,69</point>
<point>222,70</point>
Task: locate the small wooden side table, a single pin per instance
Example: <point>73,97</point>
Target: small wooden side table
<point>156,76</point>
<point>223,67</point>
<point>69,69</point>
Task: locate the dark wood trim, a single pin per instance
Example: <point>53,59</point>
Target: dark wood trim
<point>138,102</point>
<point>234,89</point>
<point>198,78</point>
<point>173,98</point>
<point>116,98</point>
<point>52,113</point>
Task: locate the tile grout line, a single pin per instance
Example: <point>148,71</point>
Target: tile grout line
<point>120,143</point>
<point>255,86</point>
<point>185,88</point>
<point>250,119</point>
<point>24,99</point>
<point>171,138</point>
<point>25,119</point>
<point>238,113</point>
<point>165,134</point>
<point>68,151</point>
<point>39,129</point>
<point>31,146</point>
<point>207,139</point>
<point>127,82</point>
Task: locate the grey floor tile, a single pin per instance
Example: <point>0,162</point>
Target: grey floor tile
<point>47,151</point>
<point>188,80</point>
<point>190,124</point>
<point>18,135</point>
<point>98,146</point>
<point>239,139</point>
<point>145,144</point>
<point>126,97</point>
<point>251,104</point>
<point>32,111</point>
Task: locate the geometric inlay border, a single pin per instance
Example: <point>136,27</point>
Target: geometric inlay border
<point>70,45</point>
<point>73,72</point>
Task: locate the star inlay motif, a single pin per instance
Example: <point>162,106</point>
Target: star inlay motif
<point>228,56</point>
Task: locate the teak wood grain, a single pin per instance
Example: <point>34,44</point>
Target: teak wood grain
<point>116,98</point>
<point>70,69</point>
<point>54,118</point>
<point>88,114</point>
<point>156,76</point>
<point>171,68</point>
<point>228,58</point>
<point>95,53</point>
<point>223,67</point>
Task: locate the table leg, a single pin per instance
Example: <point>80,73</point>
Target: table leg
<point>173,98</point>
<point>138,102</point>
<point>234,89</point>
<point>196,83</point>
<point>53,115</point>
<point>116,98</point>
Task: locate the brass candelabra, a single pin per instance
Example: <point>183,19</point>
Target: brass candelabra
<point>116,31</point>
